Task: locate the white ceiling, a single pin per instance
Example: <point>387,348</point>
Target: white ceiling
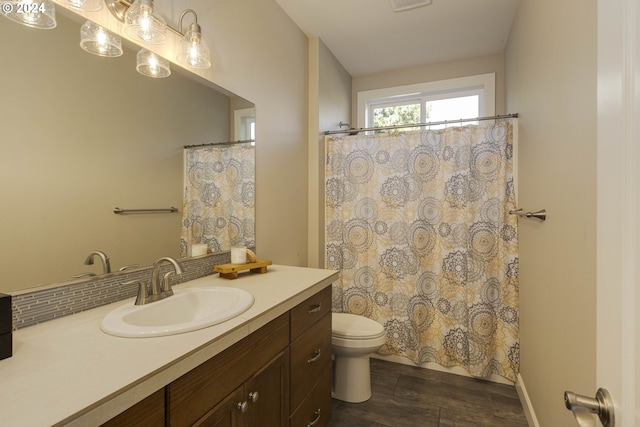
<point>367,37</point>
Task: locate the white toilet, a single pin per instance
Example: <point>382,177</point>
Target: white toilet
<point>353,339</point>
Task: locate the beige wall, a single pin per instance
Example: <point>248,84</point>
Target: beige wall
<point>334,106</point>
<point>551,82</point>
<point>433,72</point>
<point>335,91</point>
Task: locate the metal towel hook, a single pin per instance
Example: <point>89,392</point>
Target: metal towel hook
<point>582,408</point>
<point>541,214</point>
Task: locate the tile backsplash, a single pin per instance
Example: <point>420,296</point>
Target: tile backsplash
<point>41,305</point>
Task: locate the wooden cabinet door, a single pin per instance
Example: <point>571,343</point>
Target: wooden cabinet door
<point>267,394</point>
<point>228,413</point>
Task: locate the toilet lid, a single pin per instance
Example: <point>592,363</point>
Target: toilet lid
<point>345,325</point>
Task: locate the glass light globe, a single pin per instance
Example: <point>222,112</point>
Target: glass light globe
<point>143,25</point>
<point>97,40</point>
<point>34,14</point>
<point>152,65</point>
<point>193,51</point>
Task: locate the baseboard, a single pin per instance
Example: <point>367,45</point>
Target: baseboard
<point>526,403</point>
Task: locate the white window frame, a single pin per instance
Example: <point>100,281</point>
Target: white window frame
<point>483,85</point>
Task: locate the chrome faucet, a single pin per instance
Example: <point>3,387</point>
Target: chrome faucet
<point>106,264</point>
<point>162,290</point>
<point>158,290</point>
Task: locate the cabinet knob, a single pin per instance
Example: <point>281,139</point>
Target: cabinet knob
<point>242,406</point>
<point>253,396</point>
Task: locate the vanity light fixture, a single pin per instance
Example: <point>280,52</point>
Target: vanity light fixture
<point>35,14</point>
<point>143,25</point>
<point>193,50</point>
<point>152,65</point>
<point>86,5</point>
<point>99,41</point>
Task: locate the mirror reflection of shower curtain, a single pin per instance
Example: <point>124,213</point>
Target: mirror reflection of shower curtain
<point>219,193</point>
<point>418,225</point>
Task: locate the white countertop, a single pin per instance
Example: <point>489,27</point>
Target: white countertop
<point>68,372</point>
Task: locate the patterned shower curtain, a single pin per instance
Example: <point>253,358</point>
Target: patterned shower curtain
<point>418,225</point>
<point>219,190</point>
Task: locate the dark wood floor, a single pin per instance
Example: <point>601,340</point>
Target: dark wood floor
<point>411,396</point>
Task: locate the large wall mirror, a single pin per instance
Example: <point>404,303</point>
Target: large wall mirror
<point>82,135</point>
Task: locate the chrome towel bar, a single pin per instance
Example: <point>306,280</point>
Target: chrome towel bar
<point>129,211</point>
<point>541,214</point>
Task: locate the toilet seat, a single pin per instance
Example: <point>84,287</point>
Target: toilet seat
<point>354,327</point>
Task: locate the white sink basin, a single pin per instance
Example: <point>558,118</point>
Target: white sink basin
<point>187,310</point>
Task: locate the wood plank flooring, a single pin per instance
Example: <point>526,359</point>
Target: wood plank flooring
<point>407,396</point>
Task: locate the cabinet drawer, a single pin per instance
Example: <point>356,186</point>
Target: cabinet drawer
<point>315,409</point>
<point>310,358</point>
<point>310,311</point>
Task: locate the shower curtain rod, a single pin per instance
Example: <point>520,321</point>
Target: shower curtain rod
<point>210,144</point>
<point>444,122</point>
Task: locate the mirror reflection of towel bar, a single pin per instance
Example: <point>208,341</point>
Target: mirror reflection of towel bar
<point>541,214</point>
<point>128,211</point>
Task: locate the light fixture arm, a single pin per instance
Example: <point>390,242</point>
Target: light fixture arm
<point>194,32</point>
<point>194,26</point>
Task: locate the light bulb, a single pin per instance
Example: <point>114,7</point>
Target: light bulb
<point>145,25</point>
<point>153,65</point>
<point>101,40</point>
<point>193,54</point>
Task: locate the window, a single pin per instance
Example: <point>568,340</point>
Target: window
<point>453,99</point>
<point>245,124</point>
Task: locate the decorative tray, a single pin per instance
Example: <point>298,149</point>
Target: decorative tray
<point>230,271</point>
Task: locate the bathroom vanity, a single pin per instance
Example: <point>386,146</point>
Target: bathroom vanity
<point>271,365</point>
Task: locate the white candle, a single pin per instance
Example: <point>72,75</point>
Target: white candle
<point>199,249</point>
<point>239,255</point>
